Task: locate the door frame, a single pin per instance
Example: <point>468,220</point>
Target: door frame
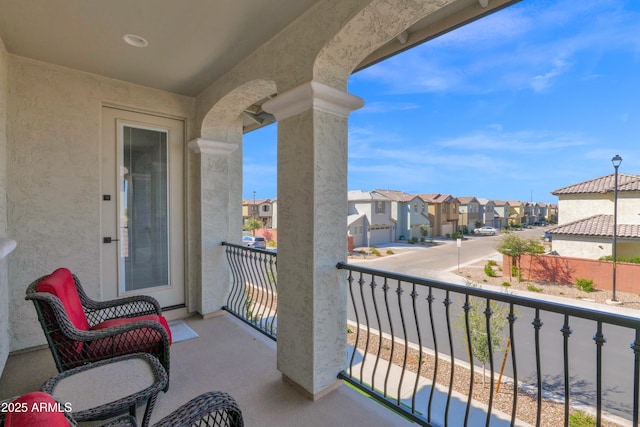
<point>184,205</point>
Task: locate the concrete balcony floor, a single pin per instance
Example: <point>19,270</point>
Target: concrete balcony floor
<point>227,356</point>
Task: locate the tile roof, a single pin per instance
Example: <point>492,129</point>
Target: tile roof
<point>353,218</point>
<point>597,225</point>
<point>437,198</point>
<point>398,196</point>
<point>604,184</point>
<point>465,200</point>
<point>361,195</point>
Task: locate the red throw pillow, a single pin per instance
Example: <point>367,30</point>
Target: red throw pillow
<point>60,283</point>
<point>123,321</point>
<point>35,409</point>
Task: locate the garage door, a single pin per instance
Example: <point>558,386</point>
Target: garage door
<point>379,236</point>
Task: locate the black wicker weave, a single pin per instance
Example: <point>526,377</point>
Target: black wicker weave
<point>72,347</point>
<point>123,403</point>
<point>214,408</point>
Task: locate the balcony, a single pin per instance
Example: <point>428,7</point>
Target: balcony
<point>229,356</point>
<point>391,318</point>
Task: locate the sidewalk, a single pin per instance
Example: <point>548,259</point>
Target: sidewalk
<point>405,384</point>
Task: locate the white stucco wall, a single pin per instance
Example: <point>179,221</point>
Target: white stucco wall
<point>581,247</point>
<point>572,207</point>
<point>53,183</point>
<point>628,207</point>
<point>4,283</point>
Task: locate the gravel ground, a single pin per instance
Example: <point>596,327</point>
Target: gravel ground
<point>552,413</point>
<point>475,272</point>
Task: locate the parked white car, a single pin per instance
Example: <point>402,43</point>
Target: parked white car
<point>486,230</point>
<point>257,242</point>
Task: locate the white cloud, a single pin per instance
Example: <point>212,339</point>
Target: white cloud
<point>528,46</point>
<point>541,83</point>
<point>520,142</point>
<point>386,107</point>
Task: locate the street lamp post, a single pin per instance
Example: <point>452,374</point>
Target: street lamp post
<point>616,160</point>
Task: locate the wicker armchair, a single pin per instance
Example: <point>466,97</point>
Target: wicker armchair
<point>212,409</point>
<point>80,330</point>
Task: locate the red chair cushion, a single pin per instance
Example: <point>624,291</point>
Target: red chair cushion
<point>60,283</point>
<point>35,409</point>
<point>123,321</point>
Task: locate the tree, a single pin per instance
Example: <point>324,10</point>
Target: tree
<point>252,224</point>
<point>513,246</point>
<point>424,230</point>
<point>477,325</point>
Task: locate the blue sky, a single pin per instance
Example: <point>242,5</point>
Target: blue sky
<point>530,99</point>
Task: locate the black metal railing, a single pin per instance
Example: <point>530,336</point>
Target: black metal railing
<point>254,296</point>
<point>422,347</point>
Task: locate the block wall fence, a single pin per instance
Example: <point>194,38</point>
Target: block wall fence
<point>566,270</point>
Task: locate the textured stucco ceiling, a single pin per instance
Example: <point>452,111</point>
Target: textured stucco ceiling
<point>192,43</point>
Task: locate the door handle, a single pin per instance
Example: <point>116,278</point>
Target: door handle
<point>109,240</point>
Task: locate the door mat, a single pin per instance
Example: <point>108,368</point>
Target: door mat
<point>180,331</point>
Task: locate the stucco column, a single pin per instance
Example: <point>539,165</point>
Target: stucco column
<point>217,172</point>
<point>312,233</point>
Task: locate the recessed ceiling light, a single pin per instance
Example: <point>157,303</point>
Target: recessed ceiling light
<point>134,40</point>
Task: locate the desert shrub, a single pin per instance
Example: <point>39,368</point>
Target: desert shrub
<point>584,284</point>
<point>389,252</point>
<point>375,252</point>
<point>580,419</point>
<point>492,262</point>
<point>506,284</point>
<point>532,288</point>
<point>516,272</point>
<point>634,260</point>
<point>488,270</point>
<point>413,240</point>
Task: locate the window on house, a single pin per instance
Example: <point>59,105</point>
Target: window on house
<point>415,207</point>
<point>357,230</point>
<point>379,207</point>
<point>265,208</point>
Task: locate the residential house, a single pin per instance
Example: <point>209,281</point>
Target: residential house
<point>516,212</point>
<point>585,226</point>
<point>249,209</point>
<point>262,210</point>
<point>409,212</point>
<point>369,218</point>
<point>443,213</point>
<point>265,213</point>
<point>552,213</point>
<point>529,213</point>
<point>469,212</point>
<point>502,212</point>
<point>487,212</point>
<point>73,94</point>
<point>541,212</point>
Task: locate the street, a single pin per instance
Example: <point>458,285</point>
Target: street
<point>436,263</point>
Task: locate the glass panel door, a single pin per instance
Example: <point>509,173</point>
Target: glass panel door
<point>143,212</point>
